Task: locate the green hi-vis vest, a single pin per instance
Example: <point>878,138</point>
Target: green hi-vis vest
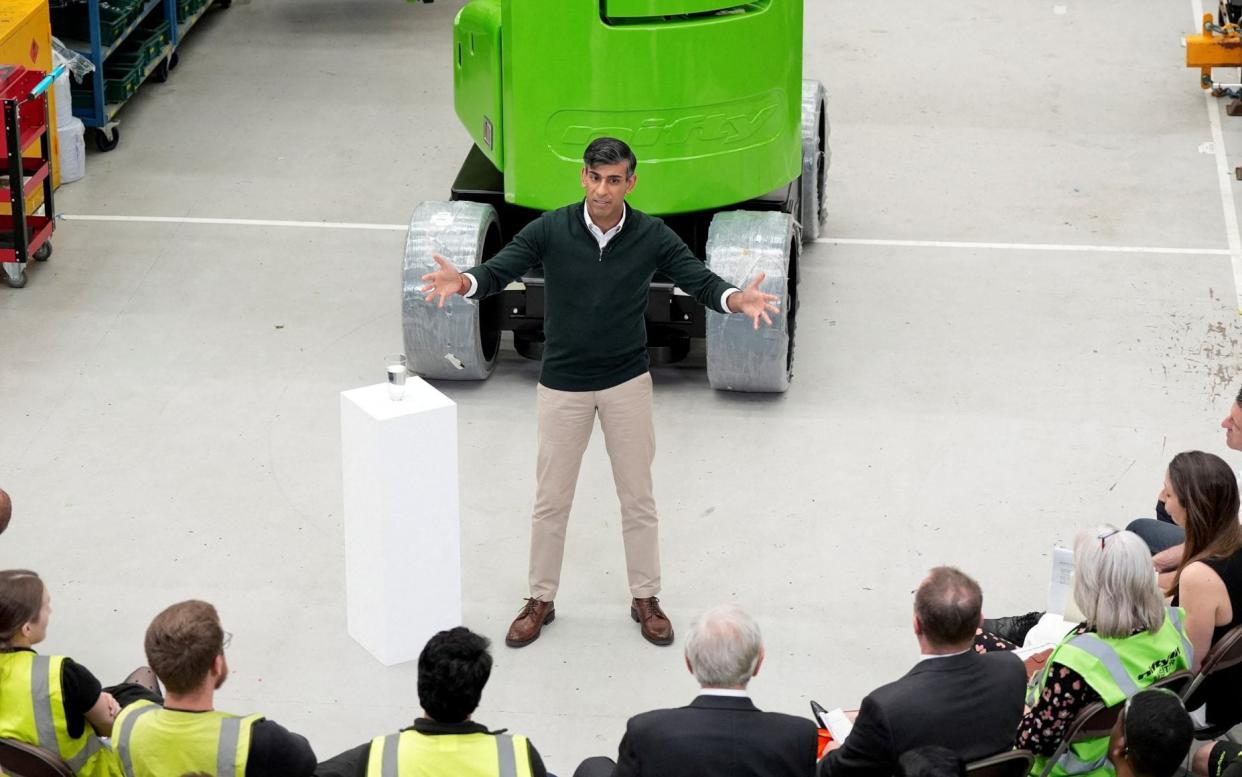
<point>32,710</point>
<point>1116,669</point>
<point>154,742</point>
<point>413,754</point>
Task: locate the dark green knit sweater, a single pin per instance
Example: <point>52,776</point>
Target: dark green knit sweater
<point>596,301</point>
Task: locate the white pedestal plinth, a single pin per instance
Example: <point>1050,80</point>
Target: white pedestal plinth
<point>402,529</point>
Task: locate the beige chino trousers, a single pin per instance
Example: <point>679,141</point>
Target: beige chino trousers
<point>566,419</point>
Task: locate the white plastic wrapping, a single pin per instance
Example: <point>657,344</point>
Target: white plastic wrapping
<point>74,62</point>
<point>446,343</point>
<point>814,161</point>
<point>72,148</point>
<point>740,245</point>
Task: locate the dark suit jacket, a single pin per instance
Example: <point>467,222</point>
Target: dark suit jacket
<point>720,736</point>
<point>970,703</point>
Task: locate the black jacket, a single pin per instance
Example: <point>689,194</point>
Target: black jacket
<point>970,703</point>
<point>721,736</point>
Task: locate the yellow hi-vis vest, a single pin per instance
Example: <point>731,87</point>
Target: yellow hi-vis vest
<point>414,754</point>
<point>1116,669</point>
<point>154,742</point>
<point>32,710</point>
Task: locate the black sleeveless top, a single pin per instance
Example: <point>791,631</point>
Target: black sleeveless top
<point>1223,690</point>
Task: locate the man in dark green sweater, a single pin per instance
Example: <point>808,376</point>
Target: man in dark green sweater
<point>598,258</point>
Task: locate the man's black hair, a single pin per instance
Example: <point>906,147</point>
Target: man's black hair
<point>452,670</point>
<point>1158,732</point>
<point>609,151</point>
<point>930,761</point>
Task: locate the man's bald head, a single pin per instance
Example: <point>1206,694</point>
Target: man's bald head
<point>6,510</point>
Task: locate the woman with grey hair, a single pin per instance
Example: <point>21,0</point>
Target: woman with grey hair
<point>1128,641</point>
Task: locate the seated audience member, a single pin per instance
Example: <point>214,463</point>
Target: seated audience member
<point>38,690</point>
<point>1128,641</point>
<point>185,646</point>
<point>966,701</point>
<point>1201,493</point>
<point>452,670</point>
<point>1152,735</point>
<point>721,731</point>
<point>6,510</point>
<point>930,761</point>
<point>1163,534</point>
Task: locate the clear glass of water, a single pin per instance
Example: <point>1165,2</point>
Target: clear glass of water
<point>396,376</point>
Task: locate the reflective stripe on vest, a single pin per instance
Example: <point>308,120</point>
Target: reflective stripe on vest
<point>390,755</point>
<point>126,731</point>
<point>226,756</point>
<point>504,753</point>
<point>390,758</point>
<point>41,694</point>
<point>1108,658</point>
<point>1188,649</point>
<point>1070,763</point>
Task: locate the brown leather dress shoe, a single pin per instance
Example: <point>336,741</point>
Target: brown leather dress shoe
<point>655,625</point>
<point>527,625</point>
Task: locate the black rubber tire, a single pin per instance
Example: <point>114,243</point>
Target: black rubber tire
<point>44,253</point>
<point>174,60</point>
<point>14,283</point>
<point>105,143</point>
<point>225,3</point>
<point>160,74</point>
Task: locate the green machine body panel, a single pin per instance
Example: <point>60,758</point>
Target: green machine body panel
<point>706,92</point>
<point>477,85</point>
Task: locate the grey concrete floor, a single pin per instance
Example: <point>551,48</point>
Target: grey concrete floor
<point>168,421</point>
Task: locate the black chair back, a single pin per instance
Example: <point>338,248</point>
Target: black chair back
<point>19,759</point>
<point>1093,722</point>
<point>1011,763</point>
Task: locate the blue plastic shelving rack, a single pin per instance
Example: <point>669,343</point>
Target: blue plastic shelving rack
<point>101,113</point>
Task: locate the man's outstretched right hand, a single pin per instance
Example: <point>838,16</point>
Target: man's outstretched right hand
<point>444,282</point>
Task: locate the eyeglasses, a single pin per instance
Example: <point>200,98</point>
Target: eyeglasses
<point>1105,535</point>
<point>228,638</point>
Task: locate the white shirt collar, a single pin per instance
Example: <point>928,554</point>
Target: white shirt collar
<point>723,692</point>
<point>602,237</point>
<point>930,656</point>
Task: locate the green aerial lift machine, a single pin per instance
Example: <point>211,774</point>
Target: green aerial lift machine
<point>732,154</point>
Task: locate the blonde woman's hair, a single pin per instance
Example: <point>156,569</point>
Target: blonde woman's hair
<point>1115,585</point>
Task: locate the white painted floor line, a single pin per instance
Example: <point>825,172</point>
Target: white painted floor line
<point>1222,176</point>
<point>828,240</point>
<point>239,222</point>
<point>1064,247</point>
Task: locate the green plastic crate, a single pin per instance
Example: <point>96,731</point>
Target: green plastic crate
<point>150,39</point>
<point>74,22</point>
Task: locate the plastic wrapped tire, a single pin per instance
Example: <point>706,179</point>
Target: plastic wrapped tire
<point>456,342</point>
<point>815,159</point>
<point>740,245</point>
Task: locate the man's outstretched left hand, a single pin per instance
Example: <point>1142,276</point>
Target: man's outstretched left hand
<point>754,303</point>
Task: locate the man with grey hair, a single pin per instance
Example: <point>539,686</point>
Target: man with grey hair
<point>721,731</point>
<point>955,697</point>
